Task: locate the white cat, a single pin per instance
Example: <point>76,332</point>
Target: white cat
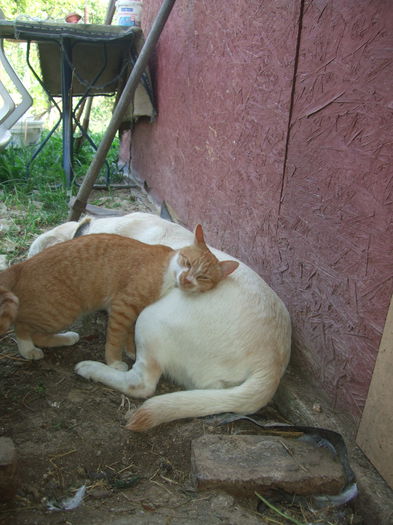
<point>228,347</point>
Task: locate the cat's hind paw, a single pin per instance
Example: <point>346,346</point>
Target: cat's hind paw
<point>70,338</point>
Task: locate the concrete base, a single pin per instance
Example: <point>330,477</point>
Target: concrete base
<point>243,464</point>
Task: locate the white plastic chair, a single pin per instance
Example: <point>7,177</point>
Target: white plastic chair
<point>10,112</point>
<point>8,105</point>
<point>6,109</point>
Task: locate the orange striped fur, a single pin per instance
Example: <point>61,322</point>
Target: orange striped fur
<point>8,309</point>
<point>98,272</point>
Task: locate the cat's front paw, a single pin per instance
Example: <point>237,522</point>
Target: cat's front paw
<point>88,369</point>
<point>119,365</point>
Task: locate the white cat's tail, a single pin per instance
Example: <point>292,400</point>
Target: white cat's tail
<point>9,304</point>
<point>254,393</point>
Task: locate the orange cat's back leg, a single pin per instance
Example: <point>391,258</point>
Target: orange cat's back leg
<point>24,340</point>
<point>27,339</point>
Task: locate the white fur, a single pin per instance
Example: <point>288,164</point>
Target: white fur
<point>229,347</point>
<point>172,275</point>
<point>67,339</point>
<point>28,350</point>
<point>61,233</point>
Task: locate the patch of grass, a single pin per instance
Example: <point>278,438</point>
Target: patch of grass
<point>40,201</point>
<point>30,212</point>
<point>47,166</point>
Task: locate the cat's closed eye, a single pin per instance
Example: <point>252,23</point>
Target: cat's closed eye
<point>183,260</point>
<point>202,278</point>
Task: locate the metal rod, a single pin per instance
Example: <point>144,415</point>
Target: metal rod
<point>110,12</point>
<point>80,201</point>
<point>66,82</point>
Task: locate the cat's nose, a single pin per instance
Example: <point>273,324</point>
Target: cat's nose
<point>186,280</point>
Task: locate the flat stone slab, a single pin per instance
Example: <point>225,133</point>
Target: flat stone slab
<point>242,464</point>
<point>8,476</point>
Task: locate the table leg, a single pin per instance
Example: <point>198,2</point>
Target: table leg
<point>66,95</point>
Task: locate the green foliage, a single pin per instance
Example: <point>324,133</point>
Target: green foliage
<point>47,166</point>
<point>41,200</point>
<point>49,9</point>
<point>16,52</point>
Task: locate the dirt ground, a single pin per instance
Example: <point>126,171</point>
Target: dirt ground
<point>70,433</point>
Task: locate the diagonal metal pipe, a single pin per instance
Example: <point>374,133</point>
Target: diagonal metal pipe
<point>79,204</point>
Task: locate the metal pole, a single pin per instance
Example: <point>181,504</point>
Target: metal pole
<point>79,204</point>
<point>66,82</point>
<point>110,12</point>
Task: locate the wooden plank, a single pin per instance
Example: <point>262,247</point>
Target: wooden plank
<point>375,434</point>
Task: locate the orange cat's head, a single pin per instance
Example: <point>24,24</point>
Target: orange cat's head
<point>197,269</point>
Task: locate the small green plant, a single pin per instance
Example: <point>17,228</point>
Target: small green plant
<point>40,389</point>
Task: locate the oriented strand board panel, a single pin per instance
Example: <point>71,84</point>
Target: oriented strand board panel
<point>297,183</point>
<point>223,73</point>
<point>335,236</point>
<point>376,427</point>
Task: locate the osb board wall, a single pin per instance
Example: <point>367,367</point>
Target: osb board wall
<point>224,76</point>
<point>294,178</point>
<point>336,211</point>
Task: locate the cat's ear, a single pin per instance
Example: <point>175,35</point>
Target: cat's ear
<point>227,267</point>
<point>198,235</point>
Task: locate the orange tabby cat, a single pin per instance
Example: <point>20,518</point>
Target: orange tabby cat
<point>46,293</point>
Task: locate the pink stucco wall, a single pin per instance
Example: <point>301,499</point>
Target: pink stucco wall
<point>275,131</point>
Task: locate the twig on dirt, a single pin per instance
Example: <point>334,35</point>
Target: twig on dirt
<point>126,468</point>
<point>5,335</point>
<point>302,511</point>
<point>124,400</point>
<point>162,486</point>
<point>111,465</point>
<point>13,357</point>
<point>278,511</point>
<point>125,496</point>
<point>57,456</point>
<point>155,474</point>
<point>97,484</point>
<point>168,479</point>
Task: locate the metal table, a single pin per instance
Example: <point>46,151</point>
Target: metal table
<point>78,60</point>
